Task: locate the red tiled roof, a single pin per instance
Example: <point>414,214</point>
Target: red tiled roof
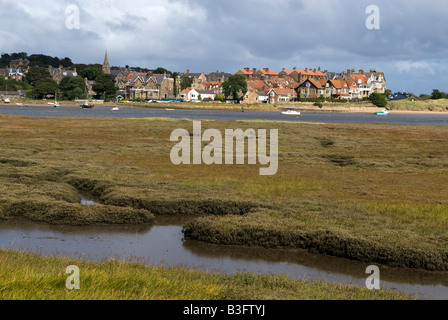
<point>258,85</point>
<point>314,82</point>
<point>339,84</point>
<point>245,71</point>
<point>311,72</point>
<point>279,91</point>
<point>357,77</point>
<point>269,72</point>
<point>216,83</point>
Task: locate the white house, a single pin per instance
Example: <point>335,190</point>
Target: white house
<point>197,95</point>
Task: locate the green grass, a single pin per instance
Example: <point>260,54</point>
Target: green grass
<point>25,276</point>
<point>375,193</point>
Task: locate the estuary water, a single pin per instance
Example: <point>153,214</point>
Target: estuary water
<point>130,112</point>
<point>162,243</point>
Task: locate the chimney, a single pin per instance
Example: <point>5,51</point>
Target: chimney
<point>188,71</point>
<point>247,69</point>
<point>254,70</point>
<point>361,71</point>
<point>283,69</point>
<point>266,69</point>
<point>314,70</point>
<point>217,71</point>
<point>325,71</point>
<point>349,72</point>
<point>306,69</point>
<point>318,68</point>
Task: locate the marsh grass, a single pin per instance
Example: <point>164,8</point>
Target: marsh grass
<point>25,276</point>
<point>375,193</point>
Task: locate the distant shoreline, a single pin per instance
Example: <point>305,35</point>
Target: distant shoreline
<point>252,107</point>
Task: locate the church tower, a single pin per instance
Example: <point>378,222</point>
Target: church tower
<point>106,65</point>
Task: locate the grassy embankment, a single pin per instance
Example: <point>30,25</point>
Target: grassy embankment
<point>374,193</point>
<point>29,277</point>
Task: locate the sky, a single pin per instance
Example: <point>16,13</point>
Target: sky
<point>409,41</point>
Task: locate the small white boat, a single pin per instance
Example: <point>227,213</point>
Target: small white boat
<point>383,112</point>
<point>292,112</point>
<point>19,104</point>
<point>169,109</point>
<point>7,100</point>
<point>115,109</point>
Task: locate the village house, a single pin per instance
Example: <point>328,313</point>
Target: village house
<point>301,75</point>
<point>253,96</point>
<point>353,89</point>
<point>284,73</point>
<point>257,92</point>
<point>215,86</point>
<point>339,89</point>
<point>89,86</point>
<point>265,73</point>
<point>310,89</point>
<point>198,79</point>
<point>17,69</point>
<point>362,81</point>
<point>247,72</point>
<point>150,86</point>
<point>277,95</point>
<point>195,95</point>
<point>59,73</point>
<point>377,81</point>
<point>218,76</point>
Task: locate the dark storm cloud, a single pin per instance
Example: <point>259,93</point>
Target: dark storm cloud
<point>205,35</point>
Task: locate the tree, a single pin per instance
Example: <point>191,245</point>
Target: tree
<point>91,72</point>
<point>185,83</point>
<point>161,70</point>
<point>13,85</point>
<point>66,62</point>
<point>378,99</point>
<point>175,89</point>
<point>436,94</point>
<point>36,73</point>
<point>235,86</point>
<point>73,88</point>
<point>105,86</point>
<point>45,87</point>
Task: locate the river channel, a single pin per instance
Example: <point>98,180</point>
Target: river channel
<point>162,243</point>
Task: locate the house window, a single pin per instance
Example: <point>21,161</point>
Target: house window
<point>308,85</point>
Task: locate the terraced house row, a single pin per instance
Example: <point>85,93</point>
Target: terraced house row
<point>266,85</point>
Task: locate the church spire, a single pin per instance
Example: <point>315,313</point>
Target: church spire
<point>106,65</point>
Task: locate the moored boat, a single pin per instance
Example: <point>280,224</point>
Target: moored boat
<point>383,112</point>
